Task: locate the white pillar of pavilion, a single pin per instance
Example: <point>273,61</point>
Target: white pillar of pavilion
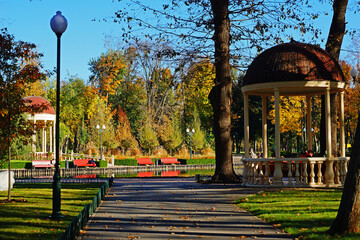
<point>51,138</point>
<point>264,126</point>
<point>342,131</point>
<point>246,125</point>
<point>278,175</point>
<point>308,122</point>
<point>329,172</point>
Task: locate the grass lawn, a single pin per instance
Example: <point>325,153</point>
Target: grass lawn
<point>304,213</point>
<point>27,216</point>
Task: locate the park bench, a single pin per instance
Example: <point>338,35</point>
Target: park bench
<point>42,163</point>
<point>84,163</point>
<point>169,161</point>
<point>144,161</point>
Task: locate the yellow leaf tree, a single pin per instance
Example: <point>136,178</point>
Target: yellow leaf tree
<point>108,71</point>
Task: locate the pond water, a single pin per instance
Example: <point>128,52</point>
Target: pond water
<point>98,173</point>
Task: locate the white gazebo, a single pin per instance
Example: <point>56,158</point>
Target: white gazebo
<point>44,125</point>
<point>294,69</point>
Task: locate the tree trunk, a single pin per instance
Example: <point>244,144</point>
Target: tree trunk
<point>333,46</point>
<point>348,217</point>
<point>220,95</point>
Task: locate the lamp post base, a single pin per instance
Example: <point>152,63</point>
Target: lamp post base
<point>56,214</point>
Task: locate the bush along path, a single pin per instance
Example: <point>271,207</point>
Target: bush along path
<point>176,208</point>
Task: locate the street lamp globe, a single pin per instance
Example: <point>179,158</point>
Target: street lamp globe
<point>58,23</point>
<point>354,73</point>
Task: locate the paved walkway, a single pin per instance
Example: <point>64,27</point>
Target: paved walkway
<point>175,208</point>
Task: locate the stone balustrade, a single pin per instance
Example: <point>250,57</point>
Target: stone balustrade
<point>295,172</point>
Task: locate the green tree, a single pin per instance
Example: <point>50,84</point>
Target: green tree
<point>74,109</point>
<point>108,71</point>
<point>170,134</point>
<point>148,138</point>
<point>123,132</point>
<point>15,72</point>
<point>198,138</point>
<point>102,116</point>
<point>198,83</point>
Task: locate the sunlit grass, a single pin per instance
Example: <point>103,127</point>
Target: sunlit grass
<point>27,216</point>
<point>304,213</point>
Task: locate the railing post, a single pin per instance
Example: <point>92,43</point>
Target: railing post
<point>245,171</point>
<point>312,174</point>
<point>267,181</point>
<point>319,174</point>
<point>278,175</point>
<point>304,172</point>
<point>289,164</point>
<point>297,173</point>
<point>329,172</point>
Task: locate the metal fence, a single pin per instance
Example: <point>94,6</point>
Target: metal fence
<point>81,220</point>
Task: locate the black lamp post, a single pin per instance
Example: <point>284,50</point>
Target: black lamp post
<point>190,132</point>
<point>101,130</point>
<point>58,24</point>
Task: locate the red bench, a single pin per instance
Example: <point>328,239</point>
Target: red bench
<point>144,161</point>
<point>42,163</point>
<point>169,161</point>
<point>84,163</point>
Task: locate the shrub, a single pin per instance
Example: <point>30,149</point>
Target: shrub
<point>183,152</point>
<point>208,152</point>
<point>134,152</point>
<point>91,149</point>
<point>114,151</point>
<point>160,152</point>
<point>198,161</point>
<point>63,164</point>
<point>17,164</point>
<point>126,162</point>
<point>102,164</point>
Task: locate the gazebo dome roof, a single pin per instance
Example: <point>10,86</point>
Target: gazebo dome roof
<point>40,101</point>
<point>293,61</point>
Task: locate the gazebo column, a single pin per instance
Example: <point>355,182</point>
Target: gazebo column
<point>45,138</point>
<point>246,172</point>
<point>54,138</point>
<point>278,175</point>
<point>34,138</point>
<point>264,126</point>
<point>308,122</point>
<point>51,139</point>
<point>342,131</point>
<point>246,125</point>
<point>329,171</point>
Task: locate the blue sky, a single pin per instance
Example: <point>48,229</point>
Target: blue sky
<point>84,39</point>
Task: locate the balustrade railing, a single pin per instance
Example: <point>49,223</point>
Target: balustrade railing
<point>292,172</point>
